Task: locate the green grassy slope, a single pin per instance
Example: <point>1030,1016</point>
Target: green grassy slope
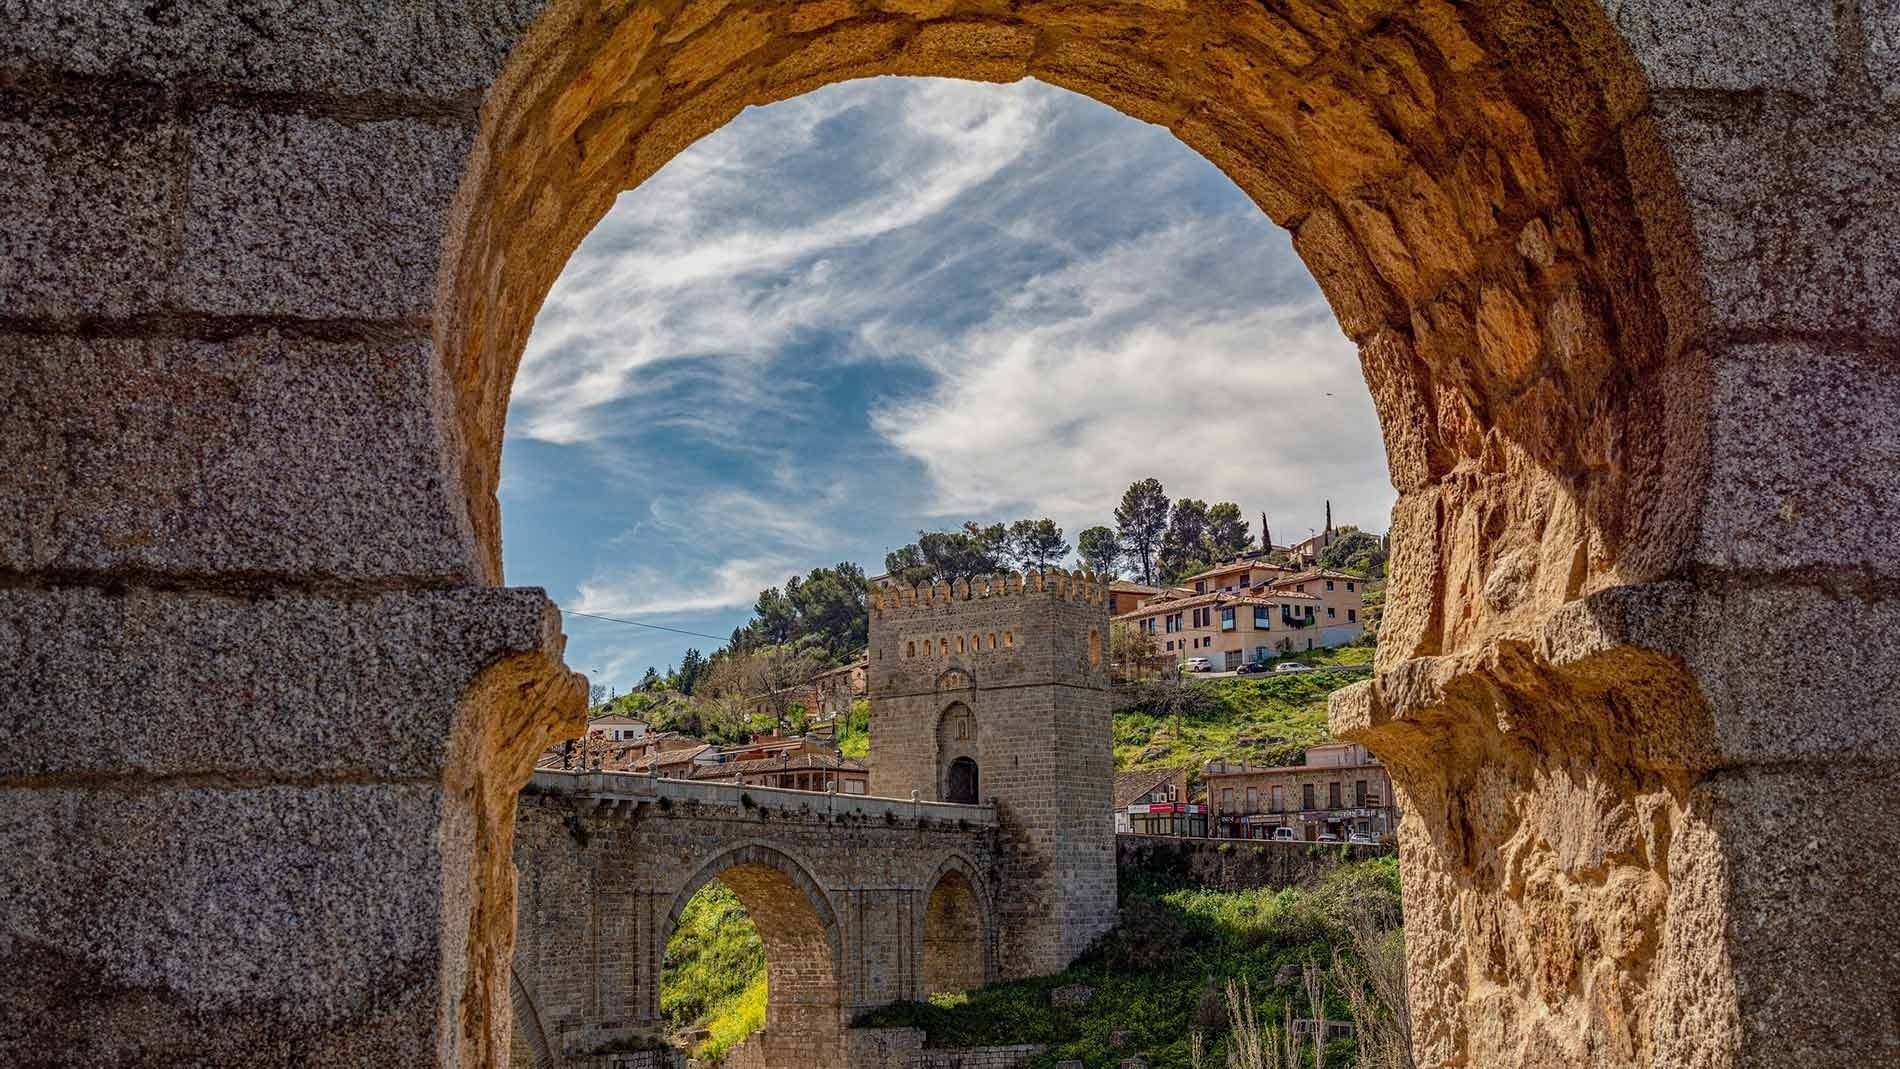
<point>714,962</point>
<point>1262,720</point>
<point>1160,975</point>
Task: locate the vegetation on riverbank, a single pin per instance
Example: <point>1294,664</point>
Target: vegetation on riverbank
<point>1159,980</point>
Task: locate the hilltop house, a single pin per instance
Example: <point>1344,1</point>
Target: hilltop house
<point>1339,790</point>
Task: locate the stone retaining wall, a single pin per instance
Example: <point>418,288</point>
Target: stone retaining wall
<point>1232,864</point>
<point>903,1048</point>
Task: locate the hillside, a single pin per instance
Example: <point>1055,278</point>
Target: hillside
<point>1261,720</point>
<point>1159,979</point>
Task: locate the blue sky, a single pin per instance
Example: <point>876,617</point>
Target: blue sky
<point>903,303</point>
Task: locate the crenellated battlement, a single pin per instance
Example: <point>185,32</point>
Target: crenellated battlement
<point>1081,586</point>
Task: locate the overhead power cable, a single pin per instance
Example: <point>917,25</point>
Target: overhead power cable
<point>637,623</point>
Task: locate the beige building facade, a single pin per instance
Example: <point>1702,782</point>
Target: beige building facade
<point>1230,629</point>
<point>1338,791</point>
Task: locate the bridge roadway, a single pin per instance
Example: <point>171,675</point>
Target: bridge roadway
<point>860,901</point>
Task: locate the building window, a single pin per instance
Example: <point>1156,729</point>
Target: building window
<point>992,640</point>
<point>1262,618</point>
<point>1332,795</point>
<point>1329,584</point>
<point>1352,616</point>
<point>1307,799</point>
<point>1348,588</point>
<point>1359,794</point>
<point>1233,659</point>
<point>1227,799</point>
<point>1227,619</point>
<point>1170,647</point>
<point>852,786</point>
<point>943,647</point>
<point>910,649</point>
<point>1009,639</point>
<point>1279,798</point>
<point>1253,799</point>
<point>959,643</point>
<point>1095,647</point>
<point>1329,612</point>
<point>1200,587</point>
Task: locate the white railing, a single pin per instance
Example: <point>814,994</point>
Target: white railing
<point>645,786</point>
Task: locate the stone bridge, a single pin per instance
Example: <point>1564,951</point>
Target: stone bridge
<point>859,901</point>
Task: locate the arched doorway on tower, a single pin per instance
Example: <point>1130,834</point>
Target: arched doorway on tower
<point>957,754</point>
<point>960,782</point>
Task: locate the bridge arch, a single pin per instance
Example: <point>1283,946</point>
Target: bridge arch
<point>956,930</point>
<point>804,947</point>
<point>529,1046</point>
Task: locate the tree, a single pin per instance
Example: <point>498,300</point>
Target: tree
<point>1182,549</point>
<point>1036,544</point>
<point>947,556</point>
<point>692,667</point>
<point>596,693</point>
<point>774,617</point>
<point>1139,521</point>
<point>1227,535</point>
<point>1354,551</point>
<point>1100,550</point>
<point>651,680</point>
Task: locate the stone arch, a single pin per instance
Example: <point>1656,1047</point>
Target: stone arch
<point>956,930</point>
<point>959,739</point>
<point>1491,194</point>
<point>529,1047</point>
<point>804,949</point>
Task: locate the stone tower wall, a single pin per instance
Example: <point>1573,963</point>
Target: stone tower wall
<point>1040,698</point>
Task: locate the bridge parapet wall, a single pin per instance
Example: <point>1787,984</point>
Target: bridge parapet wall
<point>614,789</point>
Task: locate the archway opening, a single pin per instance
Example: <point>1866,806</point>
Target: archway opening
<point>1459,177</point>
<point>713,985</point>
<point>960,782</point>
<point>787,1013</point>
<point>958,752</point>
<point>955,953</point>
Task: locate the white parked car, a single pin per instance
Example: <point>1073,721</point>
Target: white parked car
<point>1285,835</point>
<point>1360,838</point>
<point>1291,666</point>
<point>1328,837</point>
<point>1197,664</point>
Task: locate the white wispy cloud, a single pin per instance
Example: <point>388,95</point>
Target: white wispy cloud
<point>653,591</point>
<point>694,268</point>
<point>1140,361</point>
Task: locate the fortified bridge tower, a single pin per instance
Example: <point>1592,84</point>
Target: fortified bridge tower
<point>998,689</point>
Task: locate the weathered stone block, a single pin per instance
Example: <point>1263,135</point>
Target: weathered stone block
<point>88,199</point>
<point>267,926</point>
<point>1730,44</point>
<point>177,684</point>
<point>317,217</point>
<point>1790,246</point>
<point>1804,460</point>
<point>262,456</point>
<point>1880,22</point>
<point>444,50</point>
<point>1806,849</point>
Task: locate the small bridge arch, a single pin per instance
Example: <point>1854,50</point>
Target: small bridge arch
<point>956,929</point>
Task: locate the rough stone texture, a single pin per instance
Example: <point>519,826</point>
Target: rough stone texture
<point>860,902</point>
<point>1576,241</point>
<point>1231,864</point>
<point>315,217</point>
<point>265,455</point>
<point>1009,672</point>
<point>903,1048</point>
<point>394,665</point>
